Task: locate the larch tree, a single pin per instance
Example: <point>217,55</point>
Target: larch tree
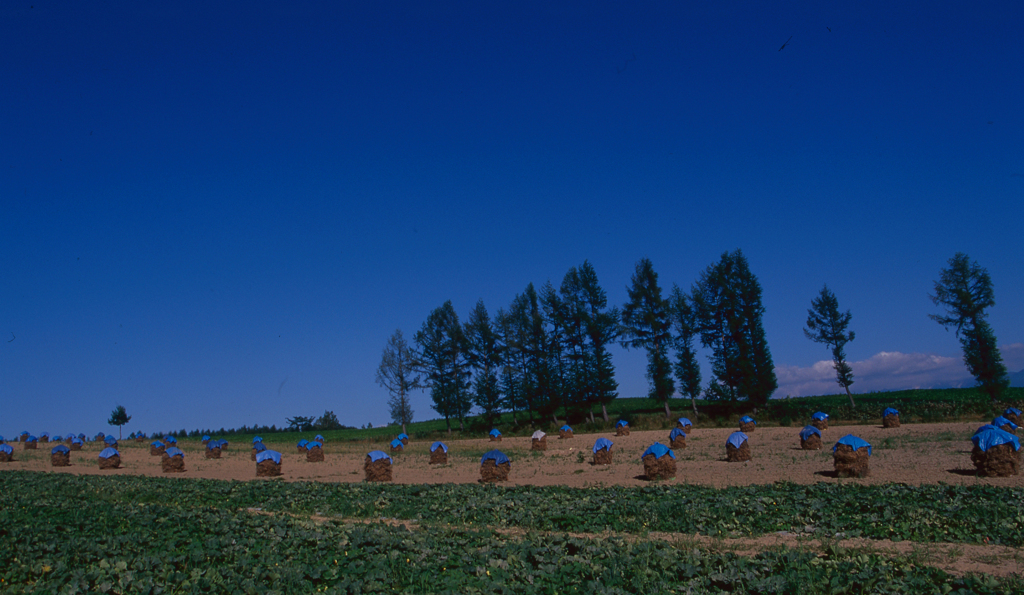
<point>683,324</point>
<point>485,360</point>
<point>826,324</point>
<point>398,374</point>
<point>442,358</point>
<point>646,325</point>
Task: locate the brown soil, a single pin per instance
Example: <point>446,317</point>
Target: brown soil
<point>541,444</point>
<point>677,442</point>
<point>172,464</point>
<point>663,468</point>
<point>315,455</point>
<point>850,463</point>
<point>60,459</point>
<point>563,434</point>
<point>113,462</point>
<point>813,442</point>
<point>379,470</point>
<point>1008,428</point>
<point>748,427</point>
<point>821,424</point>
<point>213,453</point>
<point>157,451</point>
<point>603,457</point>
<point>622,431</point>
<point>439,457</point>
<point>491,472</point>
<point>998,461</point>
<point>268,468</point>
<point>737,455</point>
<point>891,421</point>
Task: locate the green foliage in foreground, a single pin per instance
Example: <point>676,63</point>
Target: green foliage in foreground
<point>92,540</point>
<point>944,513</point>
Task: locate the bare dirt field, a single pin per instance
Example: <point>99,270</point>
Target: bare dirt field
<point>913,454</point>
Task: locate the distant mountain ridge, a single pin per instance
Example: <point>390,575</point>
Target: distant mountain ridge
<point>1017,379</point>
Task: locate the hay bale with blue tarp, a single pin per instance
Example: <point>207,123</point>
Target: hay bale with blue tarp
<point>810,438</point>
<point>737,449</point>
<point>173,460</point>
<point>404,438</point>
<point>494,466</point>
<point>1005,424</point>
<point>397,446</point>
<point>2,441</point>
<point>659,462</point>
<point>109,441</point>
<point>747,424</point>
<point>319,438</point>
<point>850,456</point>
<point>314,452</point>
<point>684,424</point>
<point>302,445</point>
<point>539,441</point>
<point>30,443</point>
<point>996,453</point>
<point>109,458</point>
<point>603,451</point>
<point>44,437</point>
<point>438,453</point>
<point>60,456</point>
<point>622,428</point>
<point>257,448</point>
<point>377,466</point>
<point>22,437</point>
<point>565,432</point>
<point>157,448</point>
<point>76,443</point>
<point>268,464</point>
<point>256,439</point>
<point>6,453</point>
<point>820,420</point>
<point>890,418</point>
<point>495,435</point>
<point>213,449</point>
<point>677,438</point>
<point>206,439</point>
<point>1012,414</point>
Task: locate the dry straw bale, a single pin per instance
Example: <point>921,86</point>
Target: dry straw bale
<point>439,457</point>
<point>622,431</point>
<point>301,450</point>
<point>23,438</point>
<point>849,462</point>
<point>171,464</point>
<point>213,453</point>
<point>1008,428</point>
<point>663,468</point>
<point>563,434</point>
<point>397,448</point>
<point>541,444</point>
<point>603,457</point>
<point>813,442</point>
<point>821,424</point>
<point>405,441</point>
<point>998,461</point>
<point>6,458</point>
<point>157,451</point>
<point>495,438</point>
<point>891,421</point>
<point>30,446</point>
<point>110,463</point>
<point>737,455</point>
<point>491,472</point>
<point>379,470</point>
<point>75,446</point>
<point>267,468</point>
<point>44,439</point>
<point>748,427</point>
<point>60,459</point>
<point>1012,417</point>
<point>254,453</point>
<point>315,455</point>
<point>678,442</point>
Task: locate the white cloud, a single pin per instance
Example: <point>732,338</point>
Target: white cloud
<point>887,370</point>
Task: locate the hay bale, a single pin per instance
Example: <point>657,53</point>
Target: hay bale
<point>678,442</point>
<point>265,468</point>
<point>491,472</point>
<point>748,427</point>
<point>75,445</point>
<point>438,457</point>
<point>175,464</point>
<point>603,457</point>
<point>140,439</point>
<point>214,453</point>
<point>821,424</point>
<point>60,459</point>
<point>998,461</point>
<point>849,462</point>
<point>737,455</point>
<point>379,470</point>
<point>564,434</point>
<point>113,462</point>
<point>1008,428</point>
<point>314,455</point>
<point>659,468</point>
<point>405,441</point>
<point>813,442</point>
<point>6,458</point>
<point>495,438</point>
<point>891,421</point>
<point>539,444</point>
<point>23,438</point>
<point>30,446</point>
<point>622,431</point>
<point>684,427</point>
<point>1012,417</point>
<point>157,451</point>
<point>44,439</point>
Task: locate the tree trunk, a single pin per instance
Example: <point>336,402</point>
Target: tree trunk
<point>604,411</point>
<point>668,414</point>
<point>693,401</point>
<point>448,423</point>
<point>403,429</point>
<point>591,416</point>
<point>852,405</point>
<point>554,417</point>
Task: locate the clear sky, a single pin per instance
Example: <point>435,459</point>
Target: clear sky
<point>216,213</point>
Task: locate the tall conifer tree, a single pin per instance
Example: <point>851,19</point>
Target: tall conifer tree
<point>825,324</point>
<point>645,322</point>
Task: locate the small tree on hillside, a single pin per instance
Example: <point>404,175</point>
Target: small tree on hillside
<point>328,421</point>
<point>397,374</point>
<point>825,324</point>
<point>298,423</point>
<point>119,417</point>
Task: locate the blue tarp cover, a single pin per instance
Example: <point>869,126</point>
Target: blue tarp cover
<point>808,431</point>
<point>890,411</point>
<point>319,438</point>
<point>174,452</point>
<point>82,436</point>
<point>684,421</point>
<point>109,439</point>
<point>70,437</point>
<point>1,438</point>
<point>31,439</point>
<point>438,445</point>
<point>495,432</point>
<point>156,444</point>
<point>314,444</point>
<point>565,428</point>
<point>303,443</point>
<point>658,450</point>
<point>60,448</point>
<point>984,428</point>
<point>44,434</point>
<point>603,443</point>
<point>6,448</point>
<point>259,446</point>
<point>820,416</point>
<point>1002,421</point>
<point>736,439</point>
<point>272,455</point>
<point>170,439</point>
<point>497,456</point>
<point>994,437</point>
<point>1012,410</point>
<point>403,435</point>
<point>223,442</point>
<point>854,441</point>
<point>376,455</point>
<point>621,423</point>
<point>676,432</point>
<point>106,453</point>
<point>23,434</point>
<point>212,444</point>
<point>396,443</point>
<point>746,419</point>
<point>206,437</point>
<point>76,440</point>
<point>257,439</point>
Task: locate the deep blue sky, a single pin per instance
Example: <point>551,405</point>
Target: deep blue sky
<point>217,213</point>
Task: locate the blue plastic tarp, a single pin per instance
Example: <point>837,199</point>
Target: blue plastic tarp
<point>174,452</point>
<point>985,428</point>
<point>170,439</point>
<point>603,444</point>
<point>853,441</point>
<point>257,439</point>
<point>676,432</point>
<point>809,431</point>
<point>495,432</point>
<point>497,456</point>
<point>31,439</point>
<point>994,437</point>
<point>82,436</point>
<point>110,439</point>
<point>76,440</point>
<point>259,447</point>
<point>106,453</point>
<point>403,436</point>
<point>206,438</point>
<point>1002,421</point>
<point>303,443</point>
<point>1,439</point>
<point>890,411</point>
<point>70,437</point>
<point>6,448</point>
<point>684,421</point>
<point>621,423</point>
<point>746,419</point>
<point>396,443</point>
<point>23,434</point>
<point>438,445</point>
<point>820,416</point>
<point>376,455</point>
<point>319,438</point>
<point>658,450</point>
<point>271,455</point>
<point>61,449</point>
<point>565,428</point>
<point>736,439</point>
<point>1012,411</point>
<point>314,444</point>
<point>156,444</point>
<point>212,444</point>
<point>44,434</point>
